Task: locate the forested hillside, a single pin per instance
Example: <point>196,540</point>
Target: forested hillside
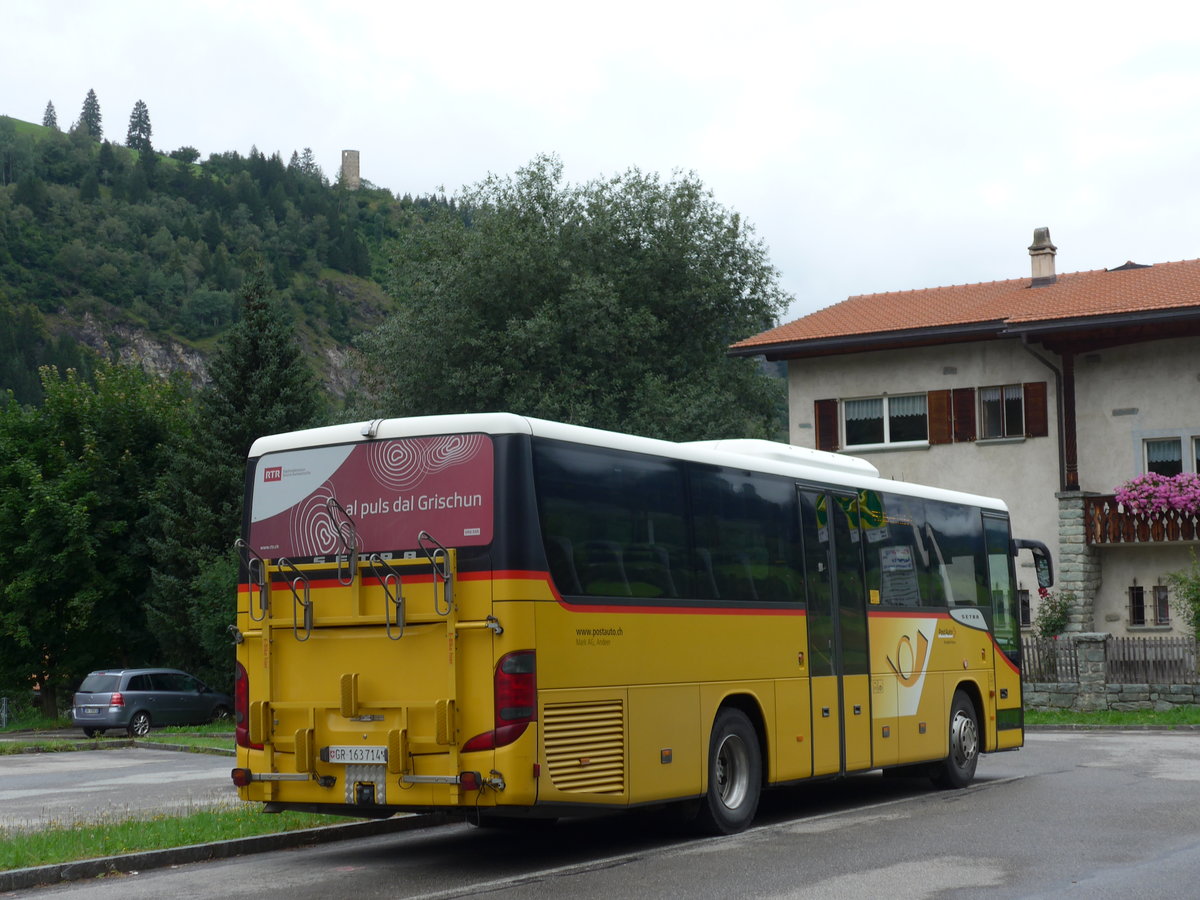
<point>609,303</point>
<point>136,253</point>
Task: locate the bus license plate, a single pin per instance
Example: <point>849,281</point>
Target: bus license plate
<point>351,754</point>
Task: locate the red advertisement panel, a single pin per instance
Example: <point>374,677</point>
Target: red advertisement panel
<point>390,490</point>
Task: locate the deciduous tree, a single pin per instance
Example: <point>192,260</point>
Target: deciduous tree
<point>608,304</point>
<point>74,477</point>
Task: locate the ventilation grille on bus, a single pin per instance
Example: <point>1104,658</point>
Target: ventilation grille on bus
<point>585,746</point>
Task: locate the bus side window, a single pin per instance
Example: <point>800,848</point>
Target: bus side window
<point>602,571</point>
<point>561,556</point>
<point>648,570</point>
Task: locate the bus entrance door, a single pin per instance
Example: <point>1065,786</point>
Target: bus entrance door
<point>837,632</point>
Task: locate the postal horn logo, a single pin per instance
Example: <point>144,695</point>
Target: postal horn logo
<point>273,473</point>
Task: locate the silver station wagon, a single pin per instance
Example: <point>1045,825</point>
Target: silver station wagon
<point>140,699</point>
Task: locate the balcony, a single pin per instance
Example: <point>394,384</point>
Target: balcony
<point>1106,522</point>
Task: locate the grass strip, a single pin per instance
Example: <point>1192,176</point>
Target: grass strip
<point>88,840</point>
<point>1179,715</point>
<point>54,745</point>
<point>212,743</point>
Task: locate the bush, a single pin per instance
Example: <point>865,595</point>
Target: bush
<point>1186,585</point>
<point>1054,612</point>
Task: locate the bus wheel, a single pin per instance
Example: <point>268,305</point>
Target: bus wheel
<point>957,770</point>
<point>734,775</point>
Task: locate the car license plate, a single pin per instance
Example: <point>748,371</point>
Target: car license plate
<point>352,755</point>
<point>91,710</point>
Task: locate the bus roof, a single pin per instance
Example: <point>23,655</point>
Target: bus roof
<point>801,463</point>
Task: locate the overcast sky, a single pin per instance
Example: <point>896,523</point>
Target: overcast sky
<point>873,145</point>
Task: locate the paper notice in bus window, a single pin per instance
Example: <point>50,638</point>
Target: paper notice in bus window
<point>391,490</point>
<point>898,576</point>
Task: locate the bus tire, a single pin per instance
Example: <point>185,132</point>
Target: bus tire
<point>734,775</point>
<point>958,768</point>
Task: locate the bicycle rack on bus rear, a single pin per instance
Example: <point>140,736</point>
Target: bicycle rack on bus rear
<point>256,575</point>
<point>439,559</point>
<point>348,536</point>
<point>393,595</point>
<point>298,602</point>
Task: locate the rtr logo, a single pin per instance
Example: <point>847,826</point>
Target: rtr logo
<point>275,473</point>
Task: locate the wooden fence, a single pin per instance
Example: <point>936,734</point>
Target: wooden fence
<point>1165,660</point>
<point>1049,660</point>
<point>1129,660</point>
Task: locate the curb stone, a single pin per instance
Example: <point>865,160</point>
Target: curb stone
<point>19,879</point>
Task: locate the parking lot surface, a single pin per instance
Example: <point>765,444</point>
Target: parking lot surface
<point>42,789</point>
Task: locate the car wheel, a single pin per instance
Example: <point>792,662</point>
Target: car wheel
<point>139,725</point>
<point>734,775</point>
<point>221,714</point>
<point>957,770</point>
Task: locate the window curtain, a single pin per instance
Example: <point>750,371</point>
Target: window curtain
<point>1164,451</point>
<point>913,405</point>
<point>858,410</point>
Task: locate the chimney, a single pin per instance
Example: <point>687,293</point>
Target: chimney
<point>1042,251</point>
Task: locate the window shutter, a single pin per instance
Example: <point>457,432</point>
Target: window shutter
<point>827,424</point>
<point>964,414</point>
<point>1037,420</point>
<point>941,418</point>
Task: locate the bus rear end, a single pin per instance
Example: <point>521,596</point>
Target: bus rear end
<point>373,673</point>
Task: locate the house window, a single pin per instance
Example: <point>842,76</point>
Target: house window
<point>1164,456</point>
<point>1162,605</point>
<point>1002,411</point>
<point>886,420</point>
<point>1026,612</point>
<point>1137,605</point>
<point>1196,454</point>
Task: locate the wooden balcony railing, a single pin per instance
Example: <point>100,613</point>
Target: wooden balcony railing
<point>1106,522</point>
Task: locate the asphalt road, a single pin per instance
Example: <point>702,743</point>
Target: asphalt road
<point>39,789</point>
<point>1108,815</point>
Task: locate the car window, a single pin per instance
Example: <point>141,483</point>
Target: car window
<point>140,683</point>
<point>190,684</point>
<point>99,683</point>
<point>173,681</point>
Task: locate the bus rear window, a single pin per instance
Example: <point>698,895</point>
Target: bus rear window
<point>391,490</point>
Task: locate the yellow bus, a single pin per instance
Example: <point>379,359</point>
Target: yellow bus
<point>507,617</point>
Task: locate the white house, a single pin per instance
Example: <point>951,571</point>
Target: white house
<point>1049,391</point>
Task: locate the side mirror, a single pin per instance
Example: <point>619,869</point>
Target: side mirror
<point>1042,564</point>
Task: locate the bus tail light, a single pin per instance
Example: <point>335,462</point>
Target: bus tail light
<point>241,707</point>
<point>515,700</point>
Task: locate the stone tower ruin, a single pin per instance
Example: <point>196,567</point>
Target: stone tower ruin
<point>350,177</point>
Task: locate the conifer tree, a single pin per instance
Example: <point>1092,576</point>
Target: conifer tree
<point>261,384</point>
<point>49,117</point>
<point>90,118</point>
<point>138,135</point>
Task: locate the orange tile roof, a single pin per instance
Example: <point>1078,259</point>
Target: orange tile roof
<point>1101,292</point>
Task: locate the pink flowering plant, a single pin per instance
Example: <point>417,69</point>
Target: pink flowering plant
<point>1153,494</point>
